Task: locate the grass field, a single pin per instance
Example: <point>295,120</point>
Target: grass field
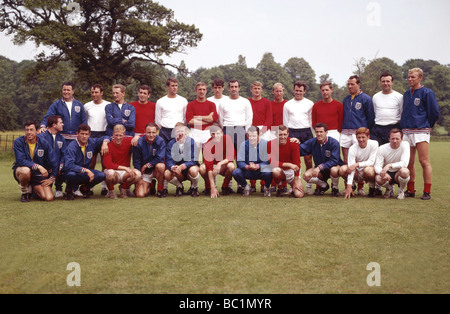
<point>229,245</point>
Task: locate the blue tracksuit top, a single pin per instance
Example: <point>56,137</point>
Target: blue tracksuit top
<point>78,162</point>
<point>326,155</point>
<point>114,116</point>
<point>420,109</point>
<point>43,156</point>
<point>174,157</point>
<point>358,112</point>
<point>248,153</point>
<point>72,121</point>
<point>153,154</point>
<point>58,144</point>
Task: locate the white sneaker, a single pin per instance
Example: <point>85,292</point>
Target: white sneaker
<point>78,193</point>
<point>401,194</point>
<point>266,192</point>
<point>59,194</point>
<point>361,192</point>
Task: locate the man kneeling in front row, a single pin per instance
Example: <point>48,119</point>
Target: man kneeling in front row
<point>391,164</point>
<point>117,164</point>
<point>285,160</point>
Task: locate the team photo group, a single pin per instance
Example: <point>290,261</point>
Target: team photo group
<point>256,143</point>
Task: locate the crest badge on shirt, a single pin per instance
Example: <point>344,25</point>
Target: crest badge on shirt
<point>358,105</point>
<point>77,109</point>
<point>127,113</point>
<point>89,155</point>
<point>40,152</point>
<point>60,144</point>
<point>417,101</point>
<point>328,153</point>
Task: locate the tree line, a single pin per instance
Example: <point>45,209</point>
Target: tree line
<point>26,92</point>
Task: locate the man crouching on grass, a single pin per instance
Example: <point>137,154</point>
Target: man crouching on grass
<point>78,161</point>
<point>391,164</point>
<point>36,165</point>
<point>117,164</point>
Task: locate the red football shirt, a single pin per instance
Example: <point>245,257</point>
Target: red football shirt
<point>277,112</point>
<point>262,112</point>
<point>331,114</point>
<point>144,114</point>
<point>196,108</point>
<point>118,155</point>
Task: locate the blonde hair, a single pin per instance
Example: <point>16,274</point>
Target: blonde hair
<point>257,83</point>
<point>418,70</point>
<point>122,88</point>
<point>277,85</point>
<point>119,128</point>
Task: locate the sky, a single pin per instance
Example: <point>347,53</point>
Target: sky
<point>331,35</point>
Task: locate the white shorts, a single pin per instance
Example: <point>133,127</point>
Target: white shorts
<point>414,139</point>
<point>289,174</point>
<point>268,135</point>
<point>148,177</point>
<point>200,136</point>
<point>120,174</point>
<point>335,134</point>
<point>347,140</point>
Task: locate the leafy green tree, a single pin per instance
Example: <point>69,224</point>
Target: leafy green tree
<point>370,76</point>
<point>101,39</point>
<point>300,70</point>
<point>270,72</point>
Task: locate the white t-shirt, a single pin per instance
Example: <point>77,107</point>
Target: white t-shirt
<point>399,158</point>
<point>69,106</point>
<point>96,116</point>
<point>298,114</point>
<point>364,156</point>
<point>388,108</point>
<point>170,111</point>
<point>236,112</point>
<point>218,102</point>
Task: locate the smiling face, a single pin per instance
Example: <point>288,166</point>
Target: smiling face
<point>299,92</point>
<point>321,134</point>
<point>217,135</point>
<point>143,95</point>
<point>362,139</point>
<point>253,138</point>
<point>67,93</point>
<point>60,125</point>
<point>96,95</point>
<point>283,136</point>
<point>30,133</point>
<point>150,133</point>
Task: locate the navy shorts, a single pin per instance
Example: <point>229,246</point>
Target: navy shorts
<point>380,133</point>
<point>301,134</point>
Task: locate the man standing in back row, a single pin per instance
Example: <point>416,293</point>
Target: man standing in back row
<point>420,113</point>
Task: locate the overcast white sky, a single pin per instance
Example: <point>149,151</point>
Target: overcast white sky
<point>329,34</point>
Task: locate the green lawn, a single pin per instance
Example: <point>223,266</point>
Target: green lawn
<point>228,245</point>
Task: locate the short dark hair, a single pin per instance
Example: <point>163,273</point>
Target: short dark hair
<point>83,127</point>
<point>95,86</point>
<point>52,120</point>
<point>355,77</point>
<point>300,84</point>
<point>321,125</point>
<point>69,83</point>
<point>145,87</point>
<point>218,82</point>
<point>384,74</point>
<point>152,125</point>
<point>171,80</point>
<point>253,129</point>
<point>30,122</point>
<point>396,131</point>
<point>234,81</point>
